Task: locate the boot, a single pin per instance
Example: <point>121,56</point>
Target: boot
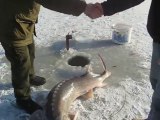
<point>37,81</point>
<point>28,105</point>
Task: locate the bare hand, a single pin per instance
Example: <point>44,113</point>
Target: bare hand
<point>94,10</point>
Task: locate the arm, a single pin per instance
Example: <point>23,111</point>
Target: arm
<point>111,7</point>
<point>74,7</point>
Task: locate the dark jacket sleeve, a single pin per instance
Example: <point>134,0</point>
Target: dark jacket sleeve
<point>74,7</point>
<point>111,7</point>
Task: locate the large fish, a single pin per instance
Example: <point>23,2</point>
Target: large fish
<point>64,93</point>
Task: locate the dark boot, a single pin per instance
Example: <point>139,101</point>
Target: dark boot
<point>37,81</point>
<point>28,105</point>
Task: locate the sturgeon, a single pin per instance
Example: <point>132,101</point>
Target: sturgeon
<point>66,92</point>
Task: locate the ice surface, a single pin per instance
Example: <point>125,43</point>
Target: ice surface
<point>128,93</point>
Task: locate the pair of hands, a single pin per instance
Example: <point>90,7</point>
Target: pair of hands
<point>94,10</point>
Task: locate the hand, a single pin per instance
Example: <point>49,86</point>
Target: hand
<point>94,10</point>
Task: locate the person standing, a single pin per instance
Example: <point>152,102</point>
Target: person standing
<point>111,7</point>
<point>17,28</point>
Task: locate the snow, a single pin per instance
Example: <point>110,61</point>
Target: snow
<point>128,94</point>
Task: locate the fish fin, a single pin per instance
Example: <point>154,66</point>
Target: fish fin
<point>88,95</point>
<point>73,116</point>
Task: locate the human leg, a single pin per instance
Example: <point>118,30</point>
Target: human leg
<point>20,66</point>
<point>31,49</point>
<point>155,82</point>
<point>34,80</point>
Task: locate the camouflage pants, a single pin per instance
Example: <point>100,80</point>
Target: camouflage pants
<point>155,82</point>
<point>21,59</point>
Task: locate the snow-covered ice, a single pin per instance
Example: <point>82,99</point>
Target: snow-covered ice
<point>128,94</point>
